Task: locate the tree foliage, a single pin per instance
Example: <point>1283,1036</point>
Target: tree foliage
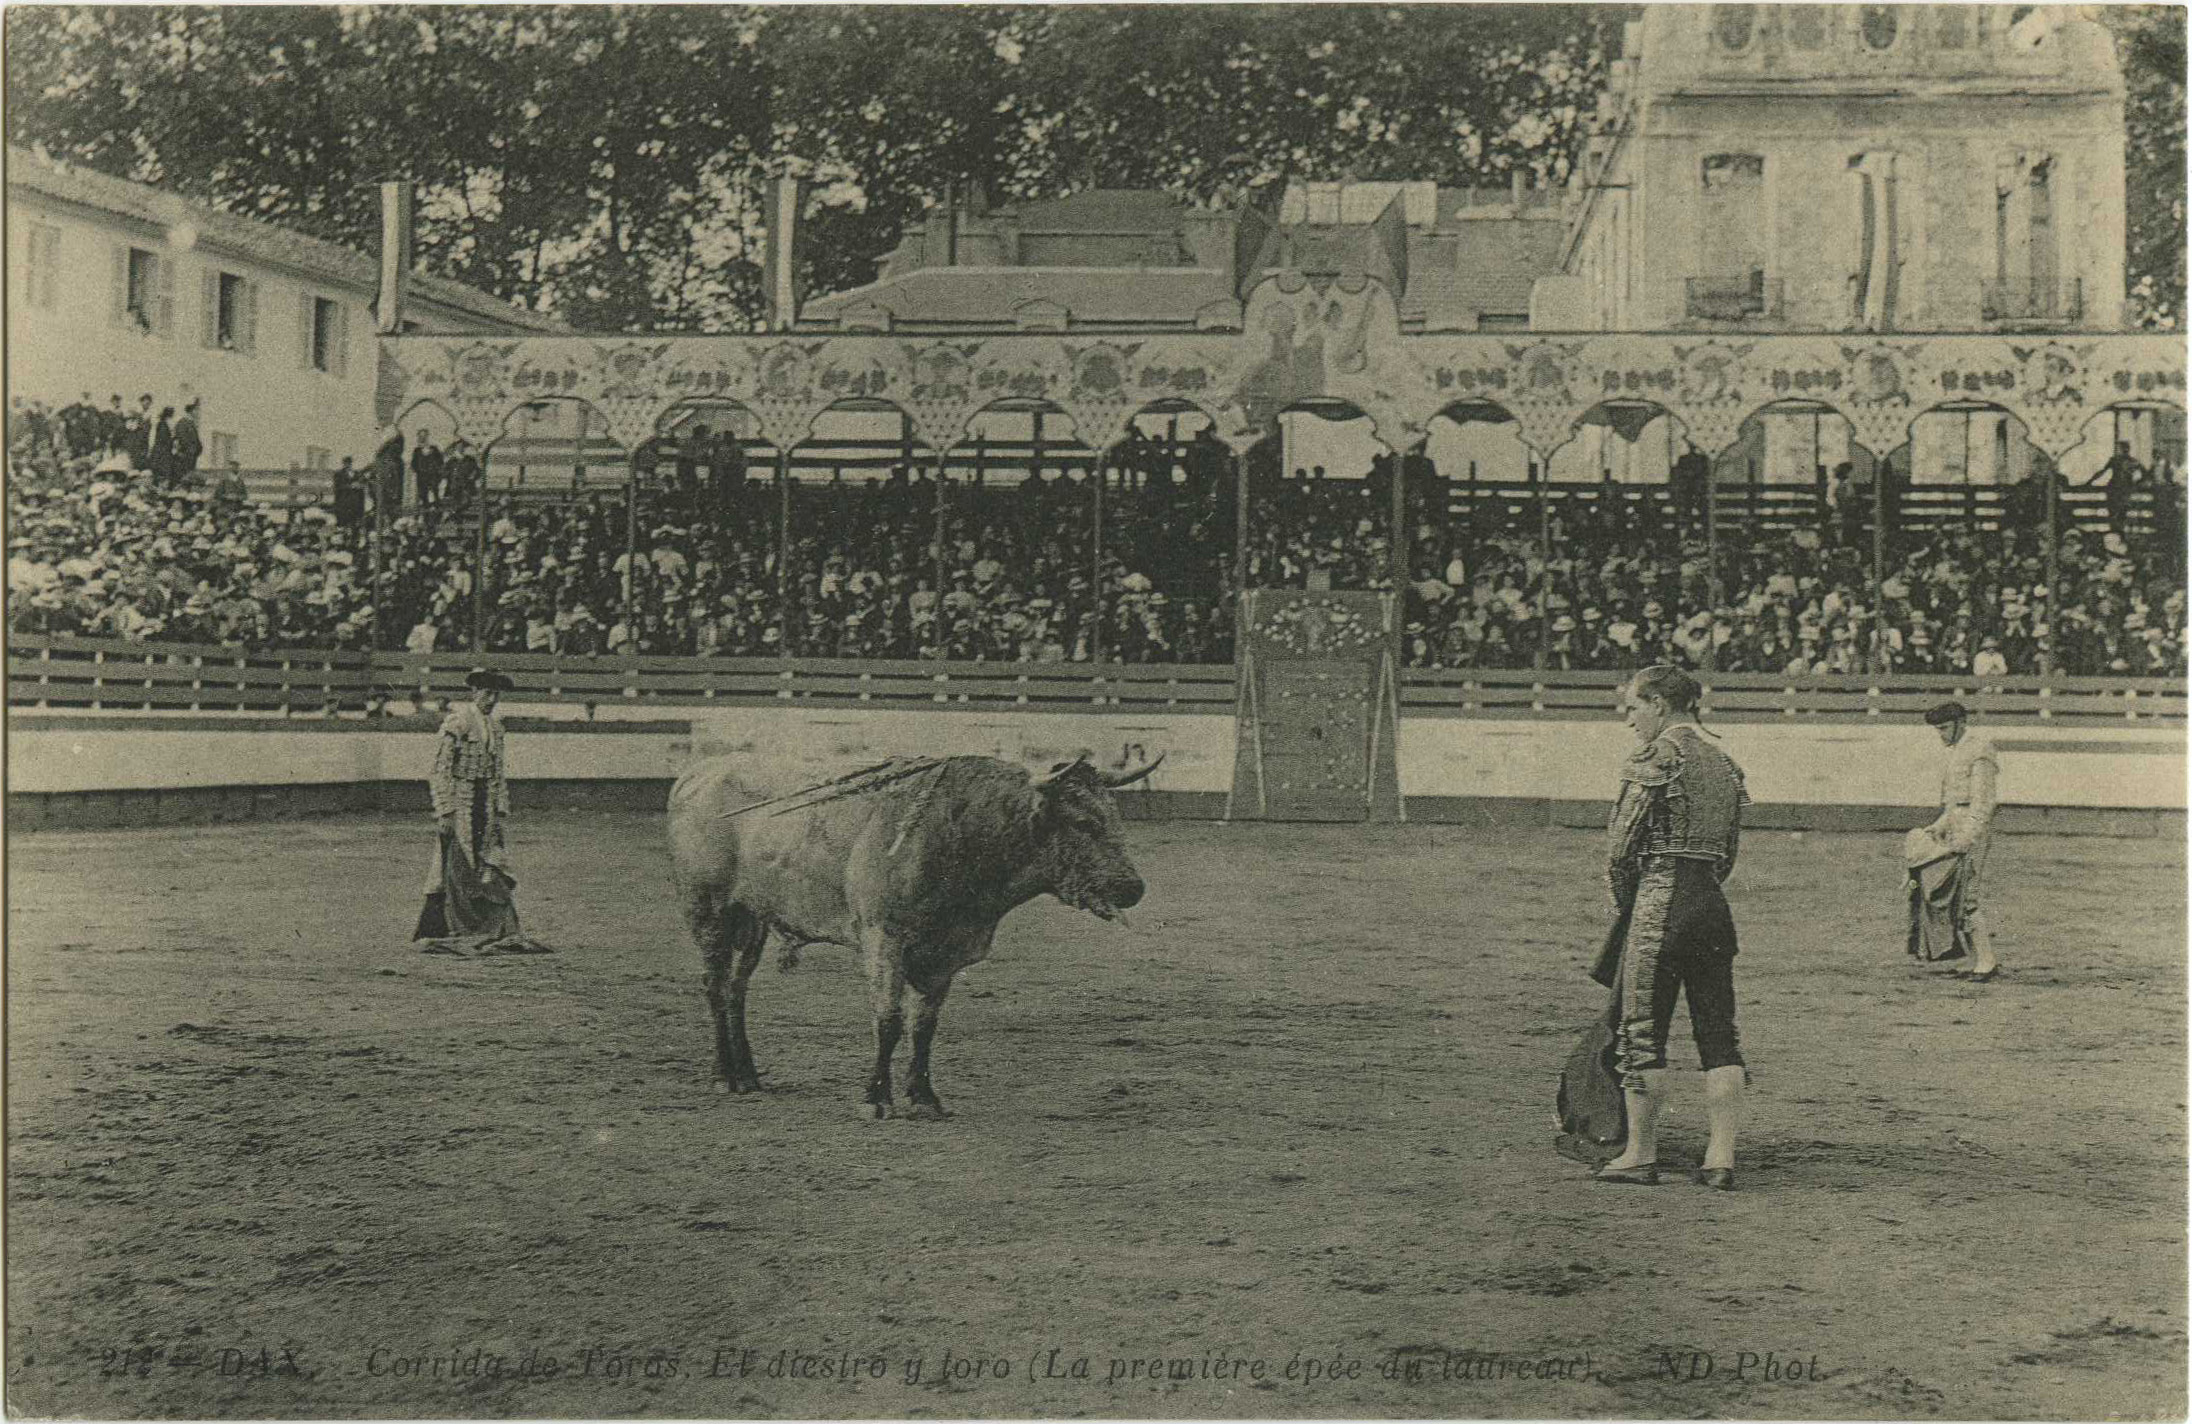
<point>608,162</point>
<point>2150,49</point>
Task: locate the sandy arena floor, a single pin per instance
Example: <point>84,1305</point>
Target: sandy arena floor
<point>1292,1129</point>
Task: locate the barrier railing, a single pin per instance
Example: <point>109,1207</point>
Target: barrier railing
<point>1771,697</point>
<point>101,674</point>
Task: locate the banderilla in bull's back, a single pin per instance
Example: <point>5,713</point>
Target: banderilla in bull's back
<point>912,862</point>
<point>852,783</point>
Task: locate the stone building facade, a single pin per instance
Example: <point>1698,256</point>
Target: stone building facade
<point>1850,168</point>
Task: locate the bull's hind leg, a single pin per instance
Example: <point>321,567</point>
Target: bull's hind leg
<point>730,938</point>
<point>920,1094</point>
<point>886,999</point>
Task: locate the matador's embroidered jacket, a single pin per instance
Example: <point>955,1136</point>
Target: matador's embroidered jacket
<point>467,752</point>
<point>1680,796</point>
<point>1968,776</point>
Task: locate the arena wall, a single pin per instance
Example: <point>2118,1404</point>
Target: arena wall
<point>86,770</point>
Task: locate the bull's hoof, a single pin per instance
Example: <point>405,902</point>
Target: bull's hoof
<point>929,1111</point>
<point>739,1086</point>
<point>874,1112</point>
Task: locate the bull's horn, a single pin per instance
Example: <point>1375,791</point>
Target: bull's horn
<point>1117,779</point>
<point>1059,770</point>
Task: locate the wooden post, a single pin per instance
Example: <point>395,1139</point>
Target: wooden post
<point>631,545</point>
<point>479,565</point>
<point>380,525</point>
<point>783,551</point>
<point>1399,552</point>
<point>1397,642</point>
<point>1539,474</point>
<point>1096,554</point>
<point>1240,540</point>
<point>1469,523</point>
<point>2054,552</point>
<point>1712,552</point>
<point>940,515</point>
<point>1881,472</point>
<point>1712,526</point>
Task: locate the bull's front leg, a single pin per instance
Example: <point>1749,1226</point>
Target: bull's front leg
<point>886,1000</point>
<point>920,1094</point>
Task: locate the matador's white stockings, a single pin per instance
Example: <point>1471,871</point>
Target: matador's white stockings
<point>1643,1104</point>
<point>1724,1111</point>
<point>1982,943</point>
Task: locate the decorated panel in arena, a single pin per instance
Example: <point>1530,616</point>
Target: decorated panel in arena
<point>1319,708</point>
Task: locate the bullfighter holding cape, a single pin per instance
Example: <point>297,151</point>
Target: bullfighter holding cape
<point>1671,842</point>
<point>1944,860</point>
<point>469,888</point>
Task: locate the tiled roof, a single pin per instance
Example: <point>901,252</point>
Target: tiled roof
<point>1103,210</point>
<point>987,296</point>
<point>251,238</point>
<point>1460,205</point>
<point>1481,266</point>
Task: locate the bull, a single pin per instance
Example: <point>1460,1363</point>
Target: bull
<point>912,862</point>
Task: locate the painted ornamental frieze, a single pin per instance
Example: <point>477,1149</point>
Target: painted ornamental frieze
<point>1300,341</point>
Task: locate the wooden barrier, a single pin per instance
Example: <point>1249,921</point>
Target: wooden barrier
<point>102,674</point>
<point>1771,697</point>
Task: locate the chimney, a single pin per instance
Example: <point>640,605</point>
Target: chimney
<point>780,265</point>
<point>397,200</point>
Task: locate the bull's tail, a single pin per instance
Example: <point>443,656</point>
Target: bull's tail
<point>787,952</point>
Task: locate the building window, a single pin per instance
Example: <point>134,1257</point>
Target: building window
<point>43,287</point>
<point>144,297</point>
<point>325,335</point>
<point>1733,240</point>
<point>1952,25</point>
<point>1878,24</point>
<point>324,319</point>
<point>231,313</point>
<point>221,445</point>
<point>316,457</point>
<point>1807,25</point>
<point>2027,284</point>
<point>1734,214</point>
<point>1733,25</point>
<point>144,278</point>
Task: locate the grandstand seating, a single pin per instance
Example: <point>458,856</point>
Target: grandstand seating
<point>1137,568</point>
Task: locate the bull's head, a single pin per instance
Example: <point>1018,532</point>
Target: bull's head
<point>1080,827</point>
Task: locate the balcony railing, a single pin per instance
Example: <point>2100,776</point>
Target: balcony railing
<point>1751,296</point>
<point>2031,299</point>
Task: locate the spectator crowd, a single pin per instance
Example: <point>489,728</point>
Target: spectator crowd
<point>115,532</point>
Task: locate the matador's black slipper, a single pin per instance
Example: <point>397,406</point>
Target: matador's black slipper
<point>1643,1175</point>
